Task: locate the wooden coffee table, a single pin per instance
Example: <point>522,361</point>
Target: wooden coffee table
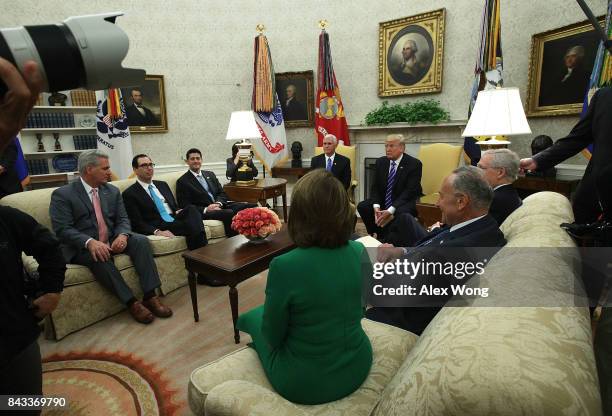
<point>233,260</point>
<point>262,190</point>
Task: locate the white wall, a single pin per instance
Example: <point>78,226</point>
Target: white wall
<point>205,51</point>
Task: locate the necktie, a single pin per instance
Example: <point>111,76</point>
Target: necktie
<point>102,228</point>
<point>329,164</point>
<point>205,186</point>
<point>160,205</point>
<point>390,183</point>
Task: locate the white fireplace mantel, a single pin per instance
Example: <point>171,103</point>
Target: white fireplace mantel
<point>369,140</point>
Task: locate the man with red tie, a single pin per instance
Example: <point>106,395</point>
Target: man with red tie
<point>90,220</point>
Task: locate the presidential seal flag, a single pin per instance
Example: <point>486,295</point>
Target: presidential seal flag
<point>113,132</point>
<point>271,148</point>
<point>329,117</point>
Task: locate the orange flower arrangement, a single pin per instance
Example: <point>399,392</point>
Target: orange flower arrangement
<point>256,223</point>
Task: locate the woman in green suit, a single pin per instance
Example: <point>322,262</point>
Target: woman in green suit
<point>308,333</point>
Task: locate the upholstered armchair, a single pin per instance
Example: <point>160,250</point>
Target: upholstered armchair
<point>349,152</point>
<point>439,160</point>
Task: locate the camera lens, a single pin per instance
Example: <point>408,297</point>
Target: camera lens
<point>83,51</point>
<point>60,56</point>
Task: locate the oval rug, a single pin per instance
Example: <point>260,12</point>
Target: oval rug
<point>106,384</point>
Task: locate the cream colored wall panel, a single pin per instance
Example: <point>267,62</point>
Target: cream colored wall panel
<point>204,49</point>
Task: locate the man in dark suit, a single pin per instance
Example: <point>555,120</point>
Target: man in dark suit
<point>202,189</point>
<point>500,167</point>
<point>152,208</point>
<point>9,180</point>
<point>396,187</point>
<point>137,114</point>
<point>464,201</point>
<point>293,109</point>
<point>594,194</point>
<point>89,218</point>
<point>338,165</point>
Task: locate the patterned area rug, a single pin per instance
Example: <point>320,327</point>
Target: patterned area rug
<point>107,384</point>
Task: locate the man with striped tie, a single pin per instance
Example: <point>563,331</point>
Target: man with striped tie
<point>396,188</point>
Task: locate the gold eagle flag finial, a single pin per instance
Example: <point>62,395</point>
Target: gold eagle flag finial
<point>322,24</point>
<point>260,28</point>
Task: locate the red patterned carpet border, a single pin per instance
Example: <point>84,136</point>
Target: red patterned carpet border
<point>73,362</point>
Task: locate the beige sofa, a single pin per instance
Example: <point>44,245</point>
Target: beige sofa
<point>474,360</point>
<point>85,301</point>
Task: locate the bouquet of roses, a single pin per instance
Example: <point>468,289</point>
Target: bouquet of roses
<point>256,222</point>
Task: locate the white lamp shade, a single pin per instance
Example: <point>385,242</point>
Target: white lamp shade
<point>497,112</point>
<point>242,126</point>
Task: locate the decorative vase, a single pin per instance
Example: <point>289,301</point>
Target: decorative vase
<point>256,239</point>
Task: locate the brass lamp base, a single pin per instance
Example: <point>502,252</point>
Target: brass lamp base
<point>492,144</point>
<point>246,183</point>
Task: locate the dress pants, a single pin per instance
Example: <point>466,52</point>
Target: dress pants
<point>139,250</point>
<point>366,211</point>
<point>405,231</point>
<point>188,223</point>
<point>226,214</point>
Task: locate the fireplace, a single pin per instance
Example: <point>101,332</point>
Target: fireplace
<point>369,164</point>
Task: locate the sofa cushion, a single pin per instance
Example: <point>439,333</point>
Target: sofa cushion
<point>214,229</point>
<point>75,273</point>
<point>390,346</point>
<point>166,245</point>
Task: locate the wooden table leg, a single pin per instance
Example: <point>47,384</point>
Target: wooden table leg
<point>284,205</point>
<point>194,295</point>
<point>233,297</point>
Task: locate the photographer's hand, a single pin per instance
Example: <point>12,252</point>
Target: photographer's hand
<point>19,99</point>
<point>46,304</point>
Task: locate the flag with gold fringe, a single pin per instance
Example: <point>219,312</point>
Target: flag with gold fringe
<point>113,131</point>
<point>489,66</point>
<point>329,117</point>
<point>601,76</point>
<point>271,149</point>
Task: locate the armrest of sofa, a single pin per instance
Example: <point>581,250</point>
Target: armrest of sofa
<point>242,398</point>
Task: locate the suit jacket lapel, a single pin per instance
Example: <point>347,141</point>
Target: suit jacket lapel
<point>80,190</point>
<point>146,197</point>
<point>163,190</point>
<point>104,201</point>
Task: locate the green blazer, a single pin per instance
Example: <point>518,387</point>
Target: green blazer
<point>308,333</point>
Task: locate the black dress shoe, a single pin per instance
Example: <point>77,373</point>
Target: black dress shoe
<point>209,281</point>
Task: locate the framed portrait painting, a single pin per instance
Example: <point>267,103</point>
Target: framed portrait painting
<point>560,69</point>
<point>296,95</point>
<point>411,52</point>
<point>145,106</point>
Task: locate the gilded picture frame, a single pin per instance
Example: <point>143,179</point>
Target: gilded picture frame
<point>411,54</point>
<point>151,117</point>
<point>296,95</point>
<point>554,89</point>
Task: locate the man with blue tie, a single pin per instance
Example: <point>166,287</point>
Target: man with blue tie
<point>153,210</point>
<point>395,188</point>
<point>338,165</point>
<point>465,197</point>
<point>202,189</point>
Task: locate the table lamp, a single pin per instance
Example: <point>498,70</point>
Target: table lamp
<point>497,112</point>
<point>242,126</point>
